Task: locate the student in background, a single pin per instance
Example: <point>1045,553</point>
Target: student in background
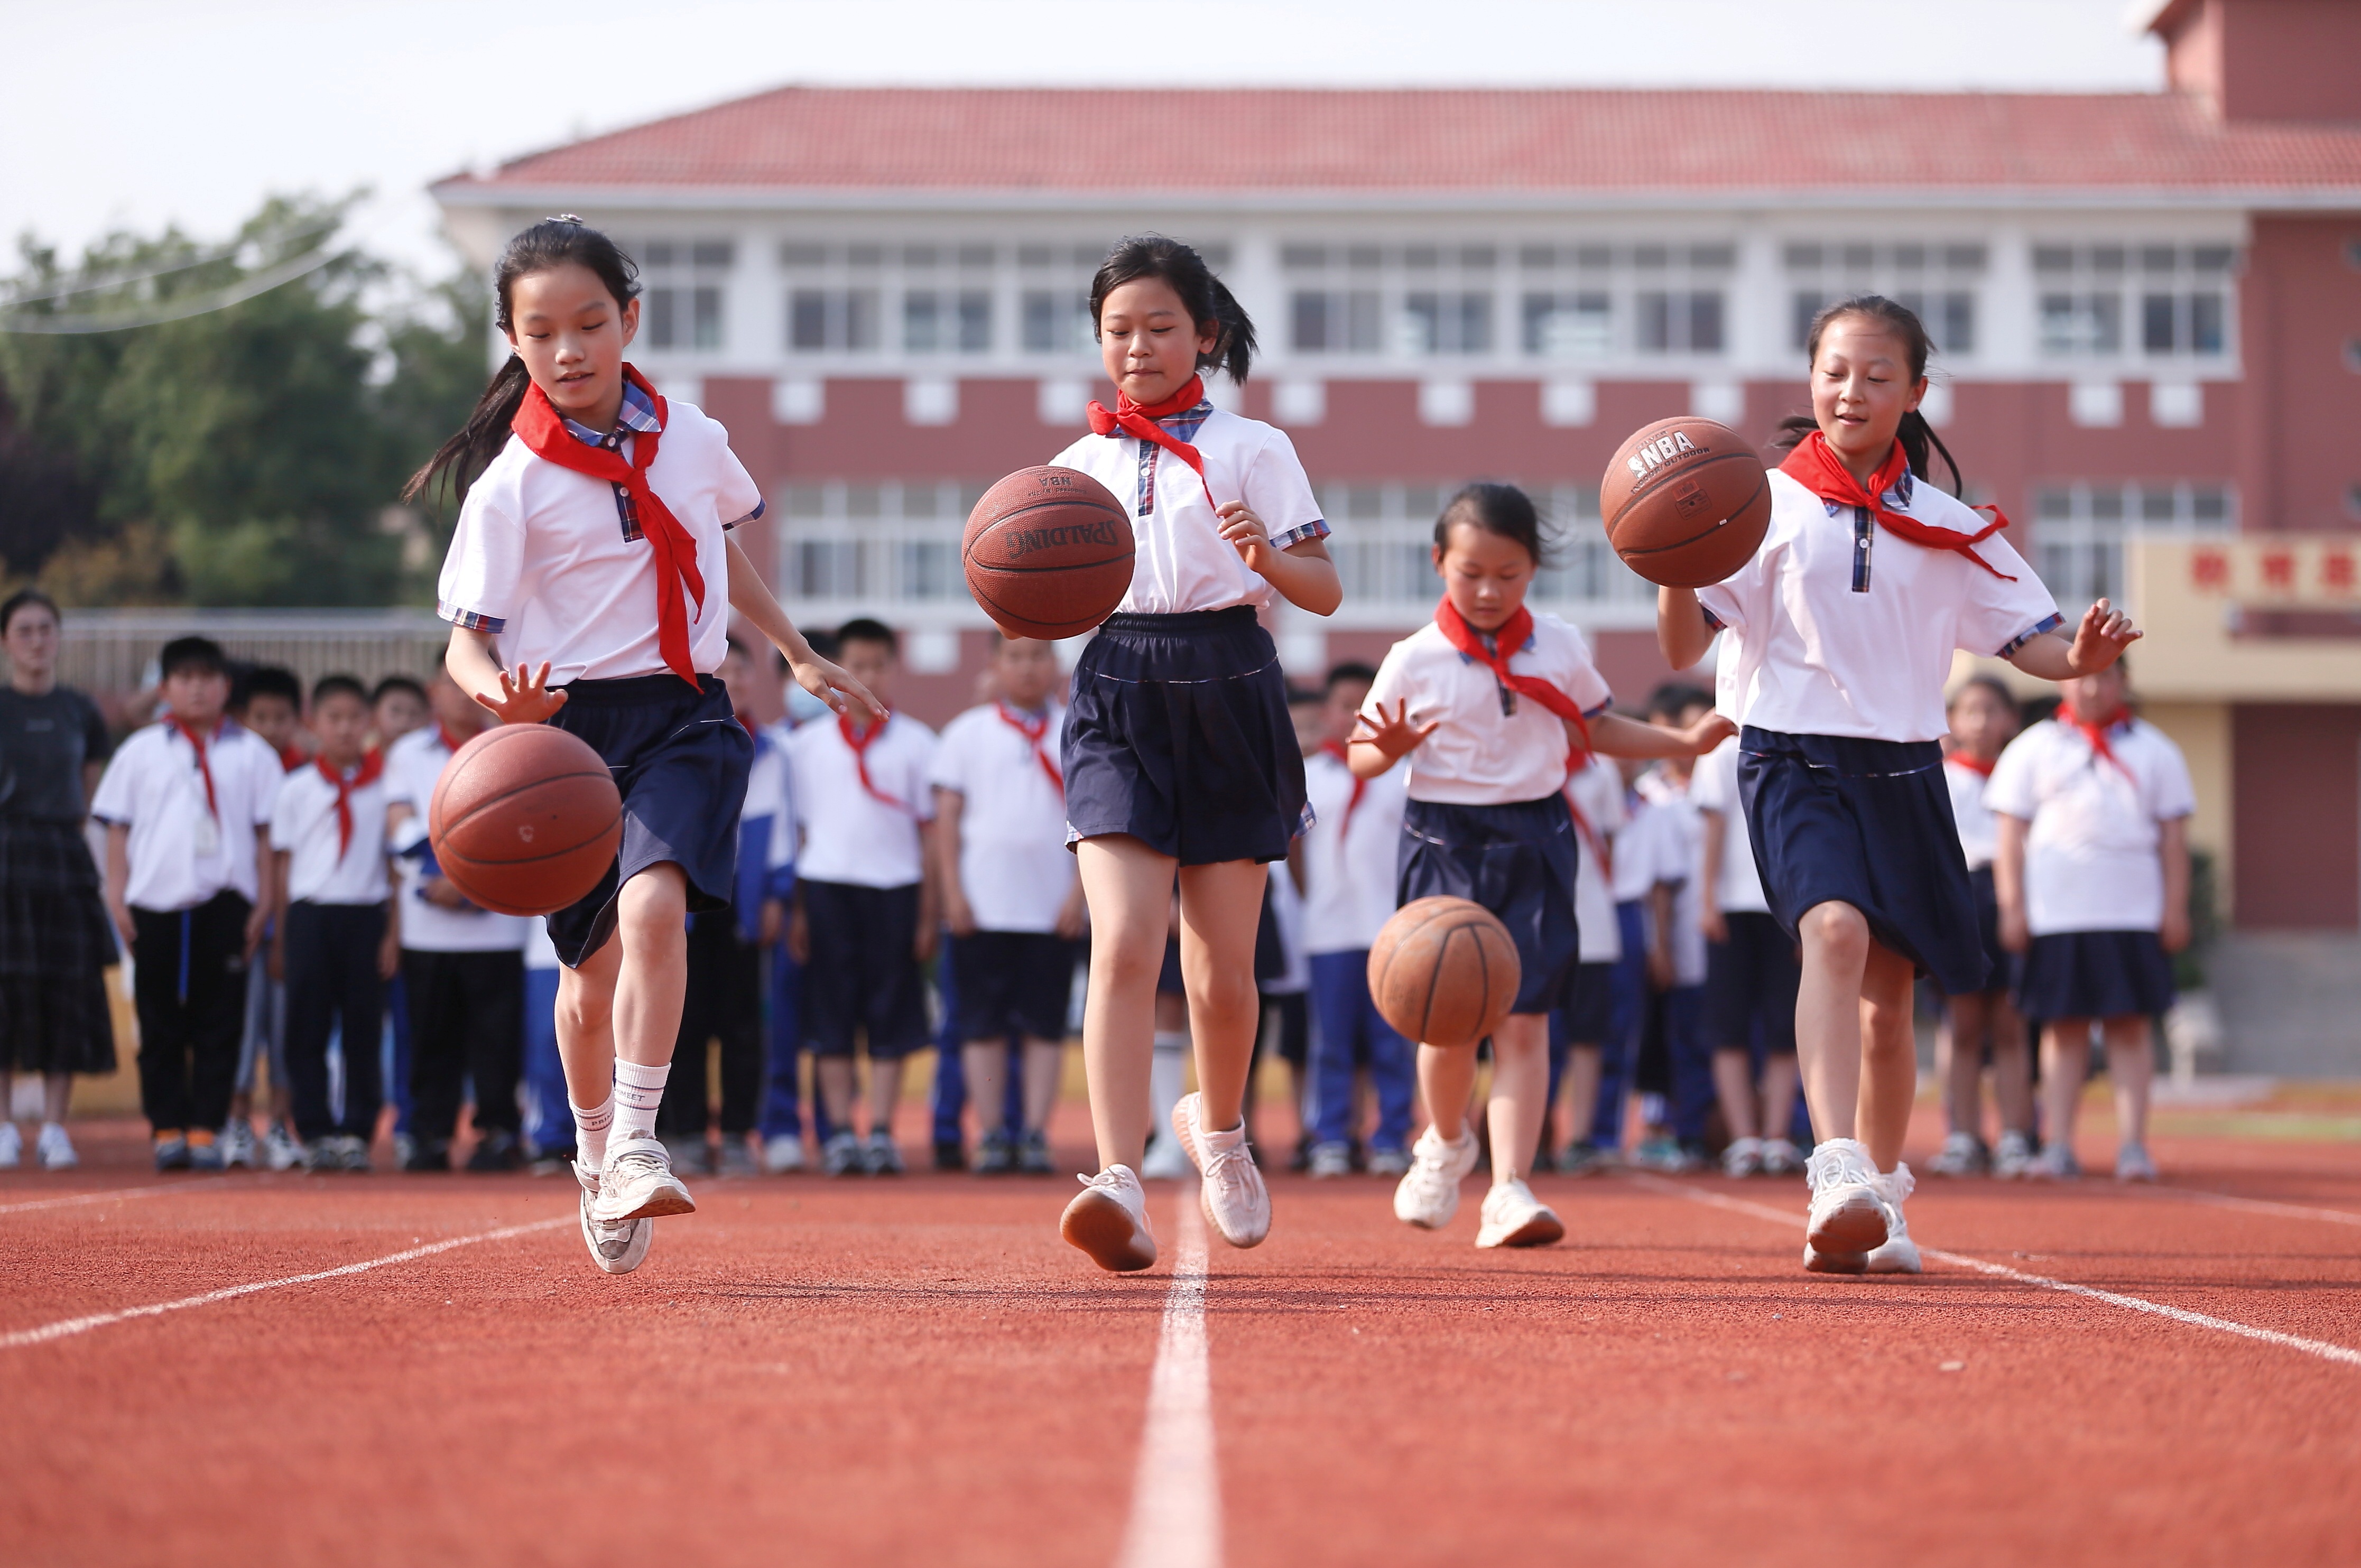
<point>1984,718</point>
<point>1580,1029</point>
<point>547,1125</point>
<point>1751,980</point>
<point>269,700</point>
<point>396,706</point>
<point>1647,868</point>
<point>1282,973</point>
<point>864,921</point>
<point>1010,897</point>
<point>2093,876</point>
<point>1348,861</point>
<point>187,806</point>
<point>1678,1004</point>
<point>332,943</point>
<point>782,1112</point>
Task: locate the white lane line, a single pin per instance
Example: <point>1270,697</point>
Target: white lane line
<point>2319,1348</point>
<point>1176,1497</point>
<point>2253,1205</point>
<point>197,1184</point>
<point>66,1328</point>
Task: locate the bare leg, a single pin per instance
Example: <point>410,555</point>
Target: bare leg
<point>1129,889</point>
<point>1445,1080</point>
<point>884,1093</point>
<point>1960,1063</point>
<point>652,978</point>
<point>1889,1057</point>
<point>2131,1062</point>
<point>1045,1064</point>
<point>1779,1084</point>
<point>1520,1092</point>
<point>987,1082</point>
<point>57,1093</point>
<point>2012,1064</point>
<point>1582,1069</point>
<point>1220,909</point>
<point>2065,1058</point>
<point>1828,1014</point>
<point>586,1025</point>
<point>835,1077</point>
<point>1733,1085</point>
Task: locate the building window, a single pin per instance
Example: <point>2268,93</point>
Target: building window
<point>843,320</point>
<point>2149,302</point>
<point>1575,300</point>
<point>851,546</point>
<point>684,286</point>
<point>1937,281</point>
<point>2079,530</point>
<point>1450,321</point>
<point>1682,321</point>
<point>1334,321</point>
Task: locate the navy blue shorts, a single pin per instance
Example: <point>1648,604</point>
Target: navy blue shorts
<point>1839,819</point>
<point>1751,979</point>
<point>2006,965</point>
<point>2096,974</point>
<point>680,758</point>
<point>1589,1017</point>
<point>1178,736</point>
<point>862,980</point>
<point>1518,861</point>
<point>1013,982</point>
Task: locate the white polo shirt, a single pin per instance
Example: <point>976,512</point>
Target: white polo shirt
<point>848,834</point>
<point>1836,627</point>
<point>1350,855</point>
<point>1493,748</point>
<point>413,765</point>
<point>1182,563</point>
<point>1014,864</point>
<point>2092,855</point>
<point>183,851</point>
<point>1714,787</point>
<point>541,558</point>
<point>1597,791</point>
<point>1979,830</point>
<point>1642,855</point>
<point>322,868</point>
<point>1684,864</point>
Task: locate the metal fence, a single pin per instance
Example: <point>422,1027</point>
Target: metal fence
<point>113,650</point>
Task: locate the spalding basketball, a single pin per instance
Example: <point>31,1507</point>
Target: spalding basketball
<point>525,819</point>
<point>1444,971</point>
<point>1049,552</point>
<point>1685,502</point>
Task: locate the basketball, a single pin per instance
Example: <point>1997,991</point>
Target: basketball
<point>525,819</point>
<point>1049,552</point>
<point>1685,502</point>
<point>1444,971</point>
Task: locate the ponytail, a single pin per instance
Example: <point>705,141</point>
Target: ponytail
<point>1211,305</point>
<point>1919,443</point>
<point>562,241</point>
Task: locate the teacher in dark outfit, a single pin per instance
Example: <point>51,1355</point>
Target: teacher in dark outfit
<point>55,939</point>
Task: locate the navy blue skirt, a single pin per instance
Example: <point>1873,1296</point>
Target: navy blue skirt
<point>2096,974</point>
<point>1518,861</point>
<point>1178,736</point>
<point>680,758</point>
<point>1839,819</point>
<point>2004,965</point>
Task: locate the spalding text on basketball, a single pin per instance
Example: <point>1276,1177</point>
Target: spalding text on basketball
<point>1026,541</point>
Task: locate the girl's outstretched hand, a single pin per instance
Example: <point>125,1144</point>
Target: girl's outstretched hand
<point>2102,638</point>
<point>525,696</point>
<point>1394,734</point>
<point>830,684</point>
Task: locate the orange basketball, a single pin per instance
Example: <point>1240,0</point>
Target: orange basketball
<point>1049,552</point>
<point>525,819</point>
<point>1687,502</point>
<point>1444,971</point>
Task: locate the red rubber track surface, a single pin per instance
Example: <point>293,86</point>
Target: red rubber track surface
<point>917,1371</point>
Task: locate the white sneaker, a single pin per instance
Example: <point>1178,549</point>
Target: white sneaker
<point>1330,1161</point>
<point>1847,1217</point>
<point>1108,1220</point>
<point>1962,1155</point>
<point>638,1183</point>
<point>1231,1192</point>
<point>782,1155</point>
<point>1780,1157</point>
<point>1428,1194</point>
<point>237,1145</point>
<point>618,1248</point>
<point>1166,1161</point>
<point>1897,1254</point>
<point>281,1150</point>
<point>2055,1163</point>
<point>54,1149</point>
<point>1512,1216</point>
<point>2132,1162</point>
<point>1743,1158</point>
<point>12,1146</point>
<point>1386,1160</point>
<point>2012,1156</point>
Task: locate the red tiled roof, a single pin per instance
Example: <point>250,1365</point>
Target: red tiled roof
<point>1511,142</point>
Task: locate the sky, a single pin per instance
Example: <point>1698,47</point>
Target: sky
<point>134,113</point>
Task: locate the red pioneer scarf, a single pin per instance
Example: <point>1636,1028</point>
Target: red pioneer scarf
<point>1033,730</point>
<point>1813,466</point>
<point>372,767</point>
<point>1513,636</point>
<point>678,578</point>
<point>1139,420</point>
<point>291,758</point>
<point>1360,786</point>
<point>1961,760</point>
<point>860,742</point>
<point>451,742</point>
<point>2095,732</point>
<point>204,767</point>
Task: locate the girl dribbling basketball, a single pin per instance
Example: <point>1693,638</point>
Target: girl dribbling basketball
<point>1841,633</point>
<point>585,589</point>
<point>1181,760</point>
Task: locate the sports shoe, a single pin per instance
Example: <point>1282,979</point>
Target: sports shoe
<point>949,1155</point>
<point>237,1145</point>
<point>1897,1254</point>
<point>1166,1161</point>
<point>425,1156</point>
<point>1962,1153</point>
<point>841,1155</point>
<point>1848,1217</point>
<point>53,1149</point>
<point>171,1151</point>
<point>405,1149</point>
<point>638,1183</point>
<point>1388,1159</point>
<point>497,1153</point>
<point>618,1248</point>
<point>1231,1191</point>
<point>2012,1156</point>
<point>2132,1162</point>
<point>281,1150</point>
<point>1512,1216</point>
<point>1108,1220</point>
<point>737,1159</point>
<point>994,1154</point>
<point>356,1153</point>
<point>1033,1155</point>
<point>204,1152</point>
<point>12,1146</point>
<point>1743,1157</point>
<point>2055,1163</point>
<point>1331,1160</point>
<point>688,1155</point>
<point>1583,1158</point>
<point>1428,1194</point>
<point>1780,1157</point>
<point>784,1156</point>
<point>880,1155</point>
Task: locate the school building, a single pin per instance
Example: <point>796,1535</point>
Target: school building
<point>2148,307</point>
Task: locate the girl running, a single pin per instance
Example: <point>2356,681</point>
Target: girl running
<point>584,587</point>
<point>1179,756</point>
<point>1841,630</point>
<point>1495,705</point>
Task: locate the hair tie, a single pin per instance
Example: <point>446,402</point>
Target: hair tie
<point>565,218</point>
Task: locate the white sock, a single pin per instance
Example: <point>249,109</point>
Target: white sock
<point>1168,1074</point>
<point>638,1091</point>
<point>590,1130</point>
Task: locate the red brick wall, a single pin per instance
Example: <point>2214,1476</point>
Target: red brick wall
<point>2296,771</point>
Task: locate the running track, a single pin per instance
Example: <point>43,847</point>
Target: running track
<point>403,1370</point>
